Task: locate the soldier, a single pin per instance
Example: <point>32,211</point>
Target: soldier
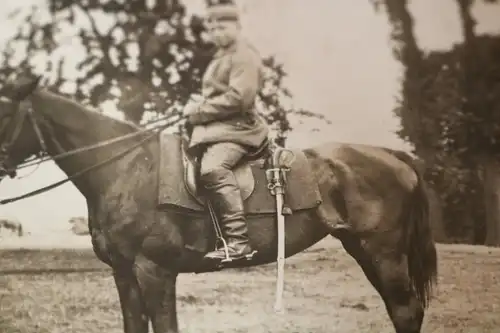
<point>226,125</point>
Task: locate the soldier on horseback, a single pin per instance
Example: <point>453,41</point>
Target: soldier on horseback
<point>226,126</point>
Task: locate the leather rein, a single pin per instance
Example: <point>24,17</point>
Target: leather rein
<point>18,120</point>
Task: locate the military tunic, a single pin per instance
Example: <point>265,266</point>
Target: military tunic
<point>229,88</point>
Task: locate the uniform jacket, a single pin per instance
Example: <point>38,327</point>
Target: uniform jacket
<point>230,86</point>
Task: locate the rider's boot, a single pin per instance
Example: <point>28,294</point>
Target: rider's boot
<point>225,196</point>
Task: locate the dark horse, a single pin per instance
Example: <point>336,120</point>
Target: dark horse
<point>378,192</point>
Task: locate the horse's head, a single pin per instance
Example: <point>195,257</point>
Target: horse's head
<point>20,135</point>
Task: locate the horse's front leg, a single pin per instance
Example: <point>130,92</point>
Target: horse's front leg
<point>158,286</point>
<point>135,319</point>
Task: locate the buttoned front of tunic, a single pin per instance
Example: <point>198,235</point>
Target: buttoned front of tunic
<point>230,86</point>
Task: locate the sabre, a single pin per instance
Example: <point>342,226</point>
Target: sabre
<point>277,176</point>
<point>280,260</point>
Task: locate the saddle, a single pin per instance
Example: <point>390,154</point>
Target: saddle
<point>242,171</point>
<point>263,175</point>
<point>178,187</point>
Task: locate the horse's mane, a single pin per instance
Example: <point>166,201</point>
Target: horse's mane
<point>87,112</point>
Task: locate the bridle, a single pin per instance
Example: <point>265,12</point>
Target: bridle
<point>13,130</point>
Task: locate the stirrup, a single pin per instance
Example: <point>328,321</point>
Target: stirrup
<point>228,259</point>
<point>245,257</point>
<point>224,246</point>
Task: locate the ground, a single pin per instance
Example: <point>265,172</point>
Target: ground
<point>58,290</point>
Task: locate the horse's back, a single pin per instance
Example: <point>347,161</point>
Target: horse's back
<point>371,165</point>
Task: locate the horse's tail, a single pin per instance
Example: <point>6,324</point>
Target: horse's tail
<point>419,244</point>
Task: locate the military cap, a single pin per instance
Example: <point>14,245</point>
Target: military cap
<point>223,12</point>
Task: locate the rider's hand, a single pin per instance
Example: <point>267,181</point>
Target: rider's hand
<point>196,98</point>
<point>192,105</point>
<point>190,108</point>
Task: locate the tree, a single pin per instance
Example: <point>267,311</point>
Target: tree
<point>408,53</point>
<point>79,225</point>
<point>414,128</point>
<point>447,111</point>
<point>480,113</point>
<point>13,226</point>
<point>145,56</point>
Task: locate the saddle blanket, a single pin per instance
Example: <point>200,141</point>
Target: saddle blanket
<point>177,189</point>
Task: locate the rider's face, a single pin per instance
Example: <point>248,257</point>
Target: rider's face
<point>223,33</point>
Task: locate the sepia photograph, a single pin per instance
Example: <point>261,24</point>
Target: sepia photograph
<point>213,166</point>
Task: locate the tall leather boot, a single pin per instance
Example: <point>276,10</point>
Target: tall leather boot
<point>225,197</point>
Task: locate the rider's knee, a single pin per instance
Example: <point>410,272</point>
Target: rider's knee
<point>214,173</point>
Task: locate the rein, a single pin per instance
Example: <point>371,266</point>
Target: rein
<point>101,144</point>
<point>77,174</point>
<point>16,133</point>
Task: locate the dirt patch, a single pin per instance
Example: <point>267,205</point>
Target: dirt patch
<point>325,292</point>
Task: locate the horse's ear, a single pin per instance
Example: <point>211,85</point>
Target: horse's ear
<point>25,86</point>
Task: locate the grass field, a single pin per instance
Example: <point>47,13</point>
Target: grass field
<point>52,291</point>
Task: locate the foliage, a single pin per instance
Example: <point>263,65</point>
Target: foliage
<point>449,112</point>
<point>453,137</point>
<point>146,56</point>
<point>79,225</point>
<point>11,225</point>
<point>467,133</point>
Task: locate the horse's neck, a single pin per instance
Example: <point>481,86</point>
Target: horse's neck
<point>75,127</point>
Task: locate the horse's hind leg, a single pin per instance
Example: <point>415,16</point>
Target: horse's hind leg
<point>386,269</point>
<point>403,306</point>
<point>353,246</point>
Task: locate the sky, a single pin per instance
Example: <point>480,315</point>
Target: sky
<point>339,63</point>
